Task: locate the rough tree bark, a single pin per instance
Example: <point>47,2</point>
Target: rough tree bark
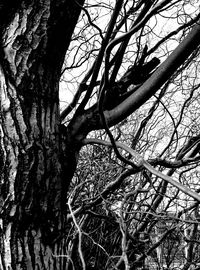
<point>34,38</point>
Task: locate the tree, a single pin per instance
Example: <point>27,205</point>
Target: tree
<point>43,208</point>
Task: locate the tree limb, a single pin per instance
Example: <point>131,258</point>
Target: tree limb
<point>158,78</point>
<point>141,162</point>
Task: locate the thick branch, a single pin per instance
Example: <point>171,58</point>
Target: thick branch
<point>158,78</point>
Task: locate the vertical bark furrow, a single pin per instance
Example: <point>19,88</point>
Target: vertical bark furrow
<point>34,40</point>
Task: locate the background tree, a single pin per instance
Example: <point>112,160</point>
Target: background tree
<point>129,73</point>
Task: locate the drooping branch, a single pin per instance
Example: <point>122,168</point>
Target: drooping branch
<point>141,162</point>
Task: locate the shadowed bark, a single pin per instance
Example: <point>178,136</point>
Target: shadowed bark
<point>34,39</point>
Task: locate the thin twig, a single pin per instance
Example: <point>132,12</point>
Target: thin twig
<point>79,234</point>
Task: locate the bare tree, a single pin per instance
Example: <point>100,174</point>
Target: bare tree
<point>128,72</point>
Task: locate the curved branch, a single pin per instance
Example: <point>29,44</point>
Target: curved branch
<point>99,59</point>
<point>158,78</point>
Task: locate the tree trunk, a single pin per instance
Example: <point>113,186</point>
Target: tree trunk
<point>33,163</point>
